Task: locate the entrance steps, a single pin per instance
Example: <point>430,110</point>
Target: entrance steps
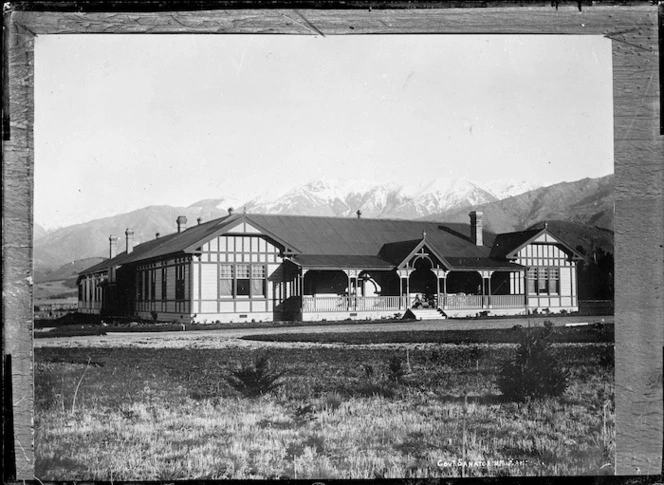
<point>424,314</point>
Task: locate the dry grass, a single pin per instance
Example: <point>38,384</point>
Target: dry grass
<point>166,414</point>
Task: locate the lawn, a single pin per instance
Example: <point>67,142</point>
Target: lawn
<point>341,412</point>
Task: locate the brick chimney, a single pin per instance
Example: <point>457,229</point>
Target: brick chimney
<point>113,246</point>
<point>230,211</point>
<point>476,228</point>
<point>130,240</point>
<point>182,223</point>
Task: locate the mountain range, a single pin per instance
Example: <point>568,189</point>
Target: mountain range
<point>507,206</point>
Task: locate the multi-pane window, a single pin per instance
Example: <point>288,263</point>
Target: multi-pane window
<point>226,275</point>
<point>247,280</point>
<point>544,281</point>
<point>257,280</point>
<point>242,280</point>
<point>139,286</point>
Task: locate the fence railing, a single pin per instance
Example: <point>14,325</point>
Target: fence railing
<point>467,302</point>
<point>343,303</point>
<point>377,303</point>
<point>507,301</point>
<point>462,302</point>
<point>370,303</point>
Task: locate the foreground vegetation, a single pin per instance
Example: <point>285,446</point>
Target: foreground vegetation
<point>363,412</point>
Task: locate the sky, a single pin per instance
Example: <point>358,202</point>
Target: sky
<point>127,121</point>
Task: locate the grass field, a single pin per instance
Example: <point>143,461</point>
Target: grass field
<point>166,414</point>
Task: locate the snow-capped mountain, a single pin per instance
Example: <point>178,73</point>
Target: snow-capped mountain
<point>335,197</point>
<point>503,189</point>
<point>342,198</point>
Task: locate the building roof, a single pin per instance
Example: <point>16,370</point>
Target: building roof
<point>169,244</point>
<point>353,236</point>
<point>333,261</point>
<point>333,242</point>
<point>506,245</point>
<point>507,242</point>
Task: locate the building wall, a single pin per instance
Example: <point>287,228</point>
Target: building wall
<point>91,293</point>
<point>551,276</point>
<point>162,289</point>
<point>236,277</point>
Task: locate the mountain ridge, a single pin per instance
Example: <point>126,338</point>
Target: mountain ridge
<point>582,201</point>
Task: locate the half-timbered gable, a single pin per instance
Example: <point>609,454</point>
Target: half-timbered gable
<point>550,283</point>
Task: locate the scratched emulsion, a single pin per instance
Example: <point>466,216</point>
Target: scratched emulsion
<point>17,170</point>
<point>639,153</point>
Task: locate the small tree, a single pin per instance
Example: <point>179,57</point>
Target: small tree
<point>535,371</point>
<point>396,369</point>
<point>256,379</point>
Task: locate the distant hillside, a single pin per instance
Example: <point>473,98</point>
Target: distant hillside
<point>66,272</point>
<point>586,201</point>
<point>90,239</point>
<point>38,231</point>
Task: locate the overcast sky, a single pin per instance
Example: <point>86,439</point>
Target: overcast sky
<point>126,121</point>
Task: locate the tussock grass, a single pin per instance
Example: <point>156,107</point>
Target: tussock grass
<point>167,414</point>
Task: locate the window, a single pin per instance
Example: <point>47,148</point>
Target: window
<point>146,282</point>
<point>163,283</point>
<point>543,281</point>
<point>257,280</point>
<point>179,282</point>
<point>139,286</point>
<point>153,284</point>
<point>244,280</point>
<point>226,280</point>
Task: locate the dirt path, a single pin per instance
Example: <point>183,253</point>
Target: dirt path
<point>228,337</point>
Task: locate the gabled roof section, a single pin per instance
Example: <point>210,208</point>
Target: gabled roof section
<point>507,245</point>
<point>399,253</point>
<point>169,244</point>
<point>241,223</point>
<point>180,242</point>
<point>396,252</point>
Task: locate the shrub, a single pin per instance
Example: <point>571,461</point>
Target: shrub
<point>332,402</point>
<point>534,372</point>
<point>256,379</point>
<point>395,368</point>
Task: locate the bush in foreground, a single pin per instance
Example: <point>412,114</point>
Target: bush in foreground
<point>535,371</point>
<point>255,379</point>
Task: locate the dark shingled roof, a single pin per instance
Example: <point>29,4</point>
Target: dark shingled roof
<point>169,244</point>
<point>333,261</point>
<point>353,236</point>
<point>483,263</point>
<point>380,242</point>
<point>507,242</point>
<point>395,252</point>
